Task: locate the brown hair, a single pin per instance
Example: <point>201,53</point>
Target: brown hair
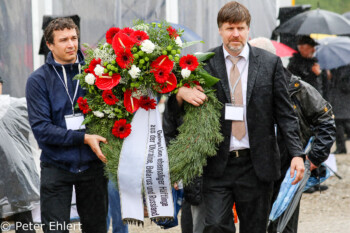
<point>59,24</point>
<point>233,12</point>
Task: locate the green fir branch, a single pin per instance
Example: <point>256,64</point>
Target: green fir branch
<point>199,137</point>
<point>112,149</point>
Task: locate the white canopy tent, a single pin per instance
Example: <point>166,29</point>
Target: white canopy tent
<point>20,36</point>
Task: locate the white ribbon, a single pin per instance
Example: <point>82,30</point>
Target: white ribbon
<point>144,158</point>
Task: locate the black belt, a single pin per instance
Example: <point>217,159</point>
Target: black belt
<point>240,153</point>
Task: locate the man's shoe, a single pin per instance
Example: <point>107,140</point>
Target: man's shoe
<point>339,151</point>
<point>316,188</point>
<point>310,190</point>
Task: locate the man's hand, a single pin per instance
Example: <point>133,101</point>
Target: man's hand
<point>194,96</point>
<point>297,165</point>
<point>94,142</point>
<point>312,166</point>
<point>316,69</point>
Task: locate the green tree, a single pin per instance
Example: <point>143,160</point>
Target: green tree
<point>338,6</point>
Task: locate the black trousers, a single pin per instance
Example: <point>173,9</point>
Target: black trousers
<point>342,126</point>
<point>91,198</point>
<point>186,218</point>
<point>23,219</point>
<point>239,185</point>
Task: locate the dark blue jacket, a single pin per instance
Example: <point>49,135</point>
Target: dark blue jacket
<point>48,103</point>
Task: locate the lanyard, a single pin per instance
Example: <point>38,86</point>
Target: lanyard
<point>233,88</point>
<point>66,85</point>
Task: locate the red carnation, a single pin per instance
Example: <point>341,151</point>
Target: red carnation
<point>83,105</point>
<point>168,86</point>
<point>190,62</point>
<point>147,103</point>
<point>172,32</point>
<point>107,82</point>
<point>124,58</point>
<point>127,31</point>
<point>111,33</point>
<point>161,74</point>
<point>109,98</point>
<point>122,41</point>
<point>121,129</point>
<point>139,36</point>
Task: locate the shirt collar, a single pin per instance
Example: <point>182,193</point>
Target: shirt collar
<point>244,53</point>
<point>76,61</point>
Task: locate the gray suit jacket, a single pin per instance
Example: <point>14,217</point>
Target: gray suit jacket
<point>268,103</point>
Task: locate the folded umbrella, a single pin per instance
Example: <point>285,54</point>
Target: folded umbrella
<point>287,214</point>
<point>289,192</point>
<point>333,52</point>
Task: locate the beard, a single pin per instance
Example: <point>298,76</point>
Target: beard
<point>235,49</point>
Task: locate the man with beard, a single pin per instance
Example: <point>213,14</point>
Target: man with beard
<point>253,91</point>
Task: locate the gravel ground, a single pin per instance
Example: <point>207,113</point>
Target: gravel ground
<point>326,212</point>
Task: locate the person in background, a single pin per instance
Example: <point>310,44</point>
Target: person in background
<point>304,65</point>
<point>69,155</point>
<point>253,87</point>
<point>114,211</point>
<point>315,119</point>
<point>15,156</point>
<point>339,96</point>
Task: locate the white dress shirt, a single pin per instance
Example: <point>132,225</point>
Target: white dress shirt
<point>242,65</point>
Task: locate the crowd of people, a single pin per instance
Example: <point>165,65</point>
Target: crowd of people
<point>273,112</point>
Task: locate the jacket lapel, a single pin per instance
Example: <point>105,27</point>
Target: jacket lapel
<point>254,63</point>
<point>220,66</point>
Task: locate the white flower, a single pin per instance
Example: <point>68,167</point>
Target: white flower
<point>137,94</point>
<point>98,114</point>
<point>178,41</point>
<point>134,71</point>
<point>99,70</point>
<point>142,27</point>
<point>112,115</point>
<point>147,46</point>
<point>90,79</point>
<point>185,73</point>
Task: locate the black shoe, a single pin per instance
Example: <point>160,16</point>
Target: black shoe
<point>339,151</point>
<point>316,188</point>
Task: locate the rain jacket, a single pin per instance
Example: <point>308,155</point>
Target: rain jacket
<point>315,119</point>
<point>301,67</point>
<point>48,103</point>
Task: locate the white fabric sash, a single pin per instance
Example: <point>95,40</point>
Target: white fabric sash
<point>144,158</point>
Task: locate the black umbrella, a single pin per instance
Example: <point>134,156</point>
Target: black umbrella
<point>316,21</point>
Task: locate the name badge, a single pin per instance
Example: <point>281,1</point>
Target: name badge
<point>233,112</point>
<point>74,122</point>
